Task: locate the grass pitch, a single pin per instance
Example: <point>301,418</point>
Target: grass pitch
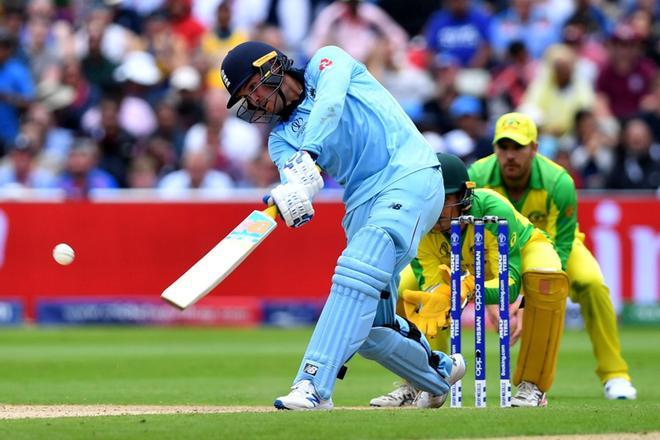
<point>234,367</point>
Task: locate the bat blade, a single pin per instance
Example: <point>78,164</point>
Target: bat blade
<point>220,261</point>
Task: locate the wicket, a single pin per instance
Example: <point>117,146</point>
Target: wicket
<point>456,399</point>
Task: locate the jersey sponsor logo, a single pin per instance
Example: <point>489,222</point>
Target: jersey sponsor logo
<point>324,63</point>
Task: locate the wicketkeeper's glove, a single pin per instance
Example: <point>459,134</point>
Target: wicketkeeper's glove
<point>467,284</point>
<point>429,310</point>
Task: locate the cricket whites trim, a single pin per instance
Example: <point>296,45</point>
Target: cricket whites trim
<point>220,261</point>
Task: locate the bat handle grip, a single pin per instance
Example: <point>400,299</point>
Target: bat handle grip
<point>271,211</point>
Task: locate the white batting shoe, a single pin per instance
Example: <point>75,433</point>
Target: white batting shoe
<point>403,395</point>
<point>303,396</point>
<point>458,369</point>
<point>529,395</point>
<point>619,388</point>
<point>427,400</point>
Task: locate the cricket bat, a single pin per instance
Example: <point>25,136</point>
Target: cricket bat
<point>220,261</point>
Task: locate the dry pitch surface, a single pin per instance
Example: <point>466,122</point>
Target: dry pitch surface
<point>53,411</point>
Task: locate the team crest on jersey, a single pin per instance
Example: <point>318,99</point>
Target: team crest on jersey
<point>325,63</point>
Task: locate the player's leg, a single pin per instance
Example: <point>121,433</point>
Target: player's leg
<point>364,271</point>
<point>588,289</point>
<point>393,342</point>
<point>403,393</point>
<point>545,288</point>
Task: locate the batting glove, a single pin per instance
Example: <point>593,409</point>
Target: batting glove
<point>300,169</point>
<point>293,203</point>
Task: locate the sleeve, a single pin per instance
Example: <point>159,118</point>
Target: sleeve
<point>563,215</point>
<point>330,71</point>
<point>516,230</point>
<point>280,151</point>
<point>473,173</point>
<point>480,171</point>
<point>426,265</point>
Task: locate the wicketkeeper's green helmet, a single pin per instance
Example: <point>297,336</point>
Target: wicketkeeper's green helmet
<point>456,178</point>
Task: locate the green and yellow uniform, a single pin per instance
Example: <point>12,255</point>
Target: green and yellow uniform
<point>550,203</point>
<point>434,248</point>
<point>530,250</point>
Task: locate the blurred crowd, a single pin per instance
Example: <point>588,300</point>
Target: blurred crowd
<point>127,93</point>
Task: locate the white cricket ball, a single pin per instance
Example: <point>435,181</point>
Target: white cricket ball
<point>63,254</point>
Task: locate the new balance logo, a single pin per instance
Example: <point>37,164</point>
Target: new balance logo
<point>396,206</point>
<point>311,369</point>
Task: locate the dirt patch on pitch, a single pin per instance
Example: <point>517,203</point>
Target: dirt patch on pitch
<point>51,411</point>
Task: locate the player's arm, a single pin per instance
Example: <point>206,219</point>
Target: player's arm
<point>505,210</point>
<point>562,220</point>
<point>330,71</point>
<point>425,266</point>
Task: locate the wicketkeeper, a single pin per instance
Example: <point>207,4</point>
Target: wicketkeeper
<point>534,267</point>
<point>543,192</point>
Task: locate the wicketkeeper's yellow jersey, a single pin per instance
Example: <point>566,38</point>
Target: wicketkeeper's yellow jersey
<point>434,248</point>
<point>550,201</point>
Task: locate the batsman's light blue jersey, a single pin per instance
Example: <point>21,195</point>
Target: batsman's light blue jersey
<point>360,134</point>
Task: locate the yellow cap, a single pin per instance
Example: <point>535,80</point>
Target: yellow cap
<point>515,126</point>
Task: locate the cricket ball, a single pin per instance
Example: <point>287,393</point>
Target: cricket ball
<point>63,254</point>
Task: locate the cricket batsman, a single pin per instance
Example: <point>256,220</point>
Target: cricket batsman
<point>334,115</point>
<point>543,192</point>
<point>534,267</point>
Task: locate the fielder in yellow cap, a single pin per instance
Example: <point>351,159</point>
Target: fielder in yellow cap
<point>516,126</point>
<point>544,193</point>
